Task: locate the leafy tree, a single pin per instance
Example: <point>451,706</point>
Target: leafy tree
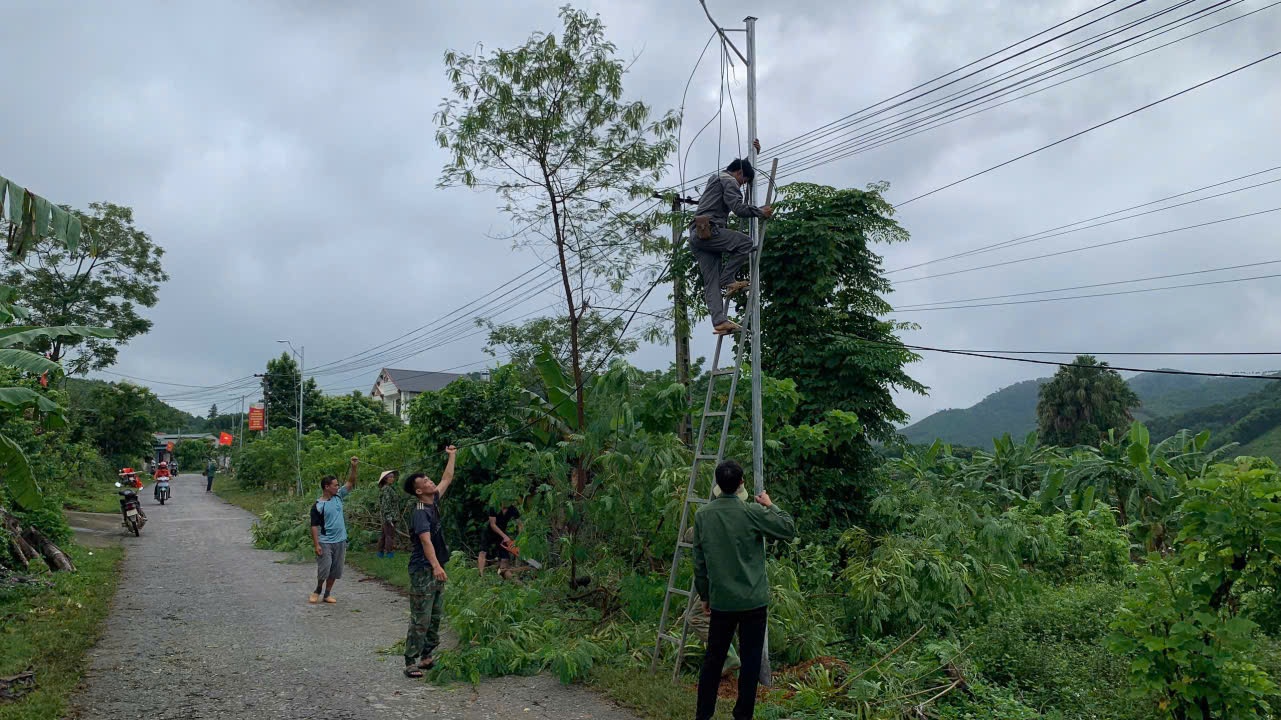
<point>116,421</point>
<point>1082,402</point>
<point>280,388</point>
<point>104,283</point>
<point>599,338</point>
<point>349,415</point>
<point>193,454</point>
<point>821,288</point>
<point>545,126</point>
<point>213,411</point>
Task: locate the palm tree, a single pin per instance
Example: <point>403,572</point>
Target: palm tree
<point>1082,402</point>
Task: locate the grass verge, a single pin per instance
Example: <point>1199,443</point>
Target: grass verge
<point>48,629</point>
<point>253,499</point>
<point>95,497</point>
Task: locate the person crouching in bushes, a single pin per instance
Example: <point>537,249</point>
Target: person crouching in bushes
<point>498,543</point>
<point>427,558</point>
<point>389,510</point>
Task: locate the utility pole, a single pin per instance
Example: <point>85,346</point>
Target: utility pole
<point>302,383</point>
<point>758,434</point>
<point>240,433</point>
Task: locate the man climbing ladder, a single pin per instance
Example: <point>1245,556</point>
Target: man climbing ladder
<point>709,238</point>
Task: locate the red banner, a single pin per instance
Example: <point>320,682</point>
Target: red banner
<point>257,418</point>
<point>169,446</point>
<point>224,438</point>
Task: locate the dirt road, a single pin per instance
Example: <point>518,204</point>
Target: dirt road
<point>206,626</point>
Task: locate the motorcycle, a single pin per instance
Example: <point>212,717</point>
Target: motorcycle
<point>131,509</point>
<point>162,488</point>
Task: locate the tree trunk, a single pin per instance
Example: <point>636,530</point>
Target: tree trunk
<point>21,550</point>
<point>30,543</point>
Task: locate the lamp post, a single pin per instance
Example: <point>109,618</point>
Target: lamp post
<point>301,353</point>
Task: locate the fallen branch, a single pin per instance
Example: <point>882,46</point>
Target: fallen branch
<point>29,543</point>
<point>889,655</point>
<point>15,686</point>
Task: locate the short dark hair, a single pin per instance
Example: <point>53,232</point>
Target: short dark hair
<point>742,165</point>
<point>729,475</point>
<point>411,481</point>
<point>324,481</point>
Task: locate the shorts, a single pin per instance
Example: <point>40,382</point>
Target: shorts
<point>495,548</point>
<point>330,561</point>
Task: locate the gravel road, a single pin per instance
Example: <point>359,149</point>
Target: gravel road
<point>207,626</point>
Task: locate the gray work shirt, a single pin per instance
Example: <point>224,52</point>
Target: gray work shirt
<point>721,197</point>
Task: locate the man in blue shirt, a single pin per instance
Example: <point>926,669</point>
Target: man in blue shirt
<point>329,532</point>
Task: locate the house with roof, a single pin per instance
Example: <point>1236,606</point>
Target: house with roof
<point>395,389</point>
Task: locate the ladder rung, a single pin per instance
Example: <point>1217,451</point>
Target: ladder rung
<point>678,591</point>
<point>670,638</point>
<point>715,413</point>
<point>696,499</point>
<point>704,457</point>
<point>724,371</point>
<point>683,544</point>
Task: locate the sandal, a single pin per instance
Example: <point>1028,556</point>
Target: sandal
<point>426,663</point>
<point>413,673</point>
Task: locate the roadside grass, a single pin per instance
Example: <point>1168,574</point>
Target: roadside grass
<point>95,497</point>
<point>48,630</point>
<point>253,499</point>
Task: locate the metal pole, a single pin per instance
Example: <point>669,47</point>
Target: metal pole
<point>302,363</point>
<point>758,459</point>
<point>240,435</point>
<point>758,432</point>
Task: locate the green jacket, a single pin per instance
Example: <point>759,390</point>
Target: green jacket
<point>729,552</point>
<point>389,503</point>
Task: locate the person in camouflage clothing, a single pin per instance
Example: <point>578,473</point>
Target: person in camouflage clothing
<point>698,621</point>
<point>389,511</point>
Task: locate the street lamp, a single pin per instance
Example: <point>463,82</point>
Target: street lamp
<point>301,362</point>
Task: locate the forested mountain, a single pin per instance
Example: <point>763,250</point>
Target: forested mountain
<point>1013,409</point>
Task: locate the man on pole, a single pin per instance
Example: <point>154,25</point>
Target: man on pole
<point>710,238</point>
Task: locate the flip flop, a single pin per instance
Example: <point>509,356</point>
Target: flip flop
<point>413,673</point>
<point>427,664</point>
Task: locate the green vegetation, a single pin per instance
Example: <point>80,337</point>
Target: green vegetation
<point>1083,402</point>
<point>47,626</point>
<point>1012,410</point>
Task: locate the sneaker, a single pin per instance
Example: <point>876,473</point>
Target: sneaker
<point>727,327</point>
<point>736,287</point>
<point>315,598</point>
<point>330,599</point>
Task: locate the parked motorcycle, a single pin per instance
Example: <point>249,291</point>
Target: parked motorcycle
<point>131,509</point>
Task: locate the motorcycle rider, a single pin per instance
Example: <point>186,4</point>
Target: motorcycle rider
<point>162,473</point>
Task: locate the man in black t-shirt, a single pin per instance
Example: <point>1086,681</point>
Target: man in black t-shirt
<point>497,541</point>
<point>427,559</point>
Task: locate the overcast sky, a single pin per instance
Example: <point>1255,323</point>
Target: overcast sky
<point>282,153</point>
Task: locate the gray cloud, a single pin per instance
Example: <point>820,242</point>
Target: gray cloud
<point>283,154</point>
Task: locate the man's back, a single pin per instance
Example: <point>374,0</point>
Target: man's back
<point>729,553</point>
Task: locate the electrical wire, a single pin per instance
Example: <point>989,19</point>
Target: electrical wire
<point>996,356</point>
<point>1089,247</point>
<point>1089,129</point>
<point>926,305</point>
<point>1037,235</point>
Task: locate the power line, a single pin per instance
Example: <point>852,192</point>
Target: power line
<point>1095,295</point>
<point>995,356</point>
<point>906,117</point>
<point>796,140</point>
<point>925,305</point>
<point>1038,235</point>
<point>1090,129</point>
<point>1089,247</point>
<point>912,126</point>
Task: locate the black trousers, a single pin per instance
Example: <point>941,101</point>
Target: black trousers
<point>750,625</point>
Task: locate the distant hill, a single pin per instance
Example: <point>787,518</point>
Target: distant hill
<point>1253,420</point>
<point>1013,409</point>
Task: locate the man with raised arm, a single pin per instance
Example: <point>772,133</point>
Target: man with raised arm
<point>729,575</point>
<point>427,559</point>
<point>709,238</point>
<point>329,532</point>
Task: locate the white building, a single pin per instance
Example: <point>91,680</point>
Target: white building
<point>396,388</point>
